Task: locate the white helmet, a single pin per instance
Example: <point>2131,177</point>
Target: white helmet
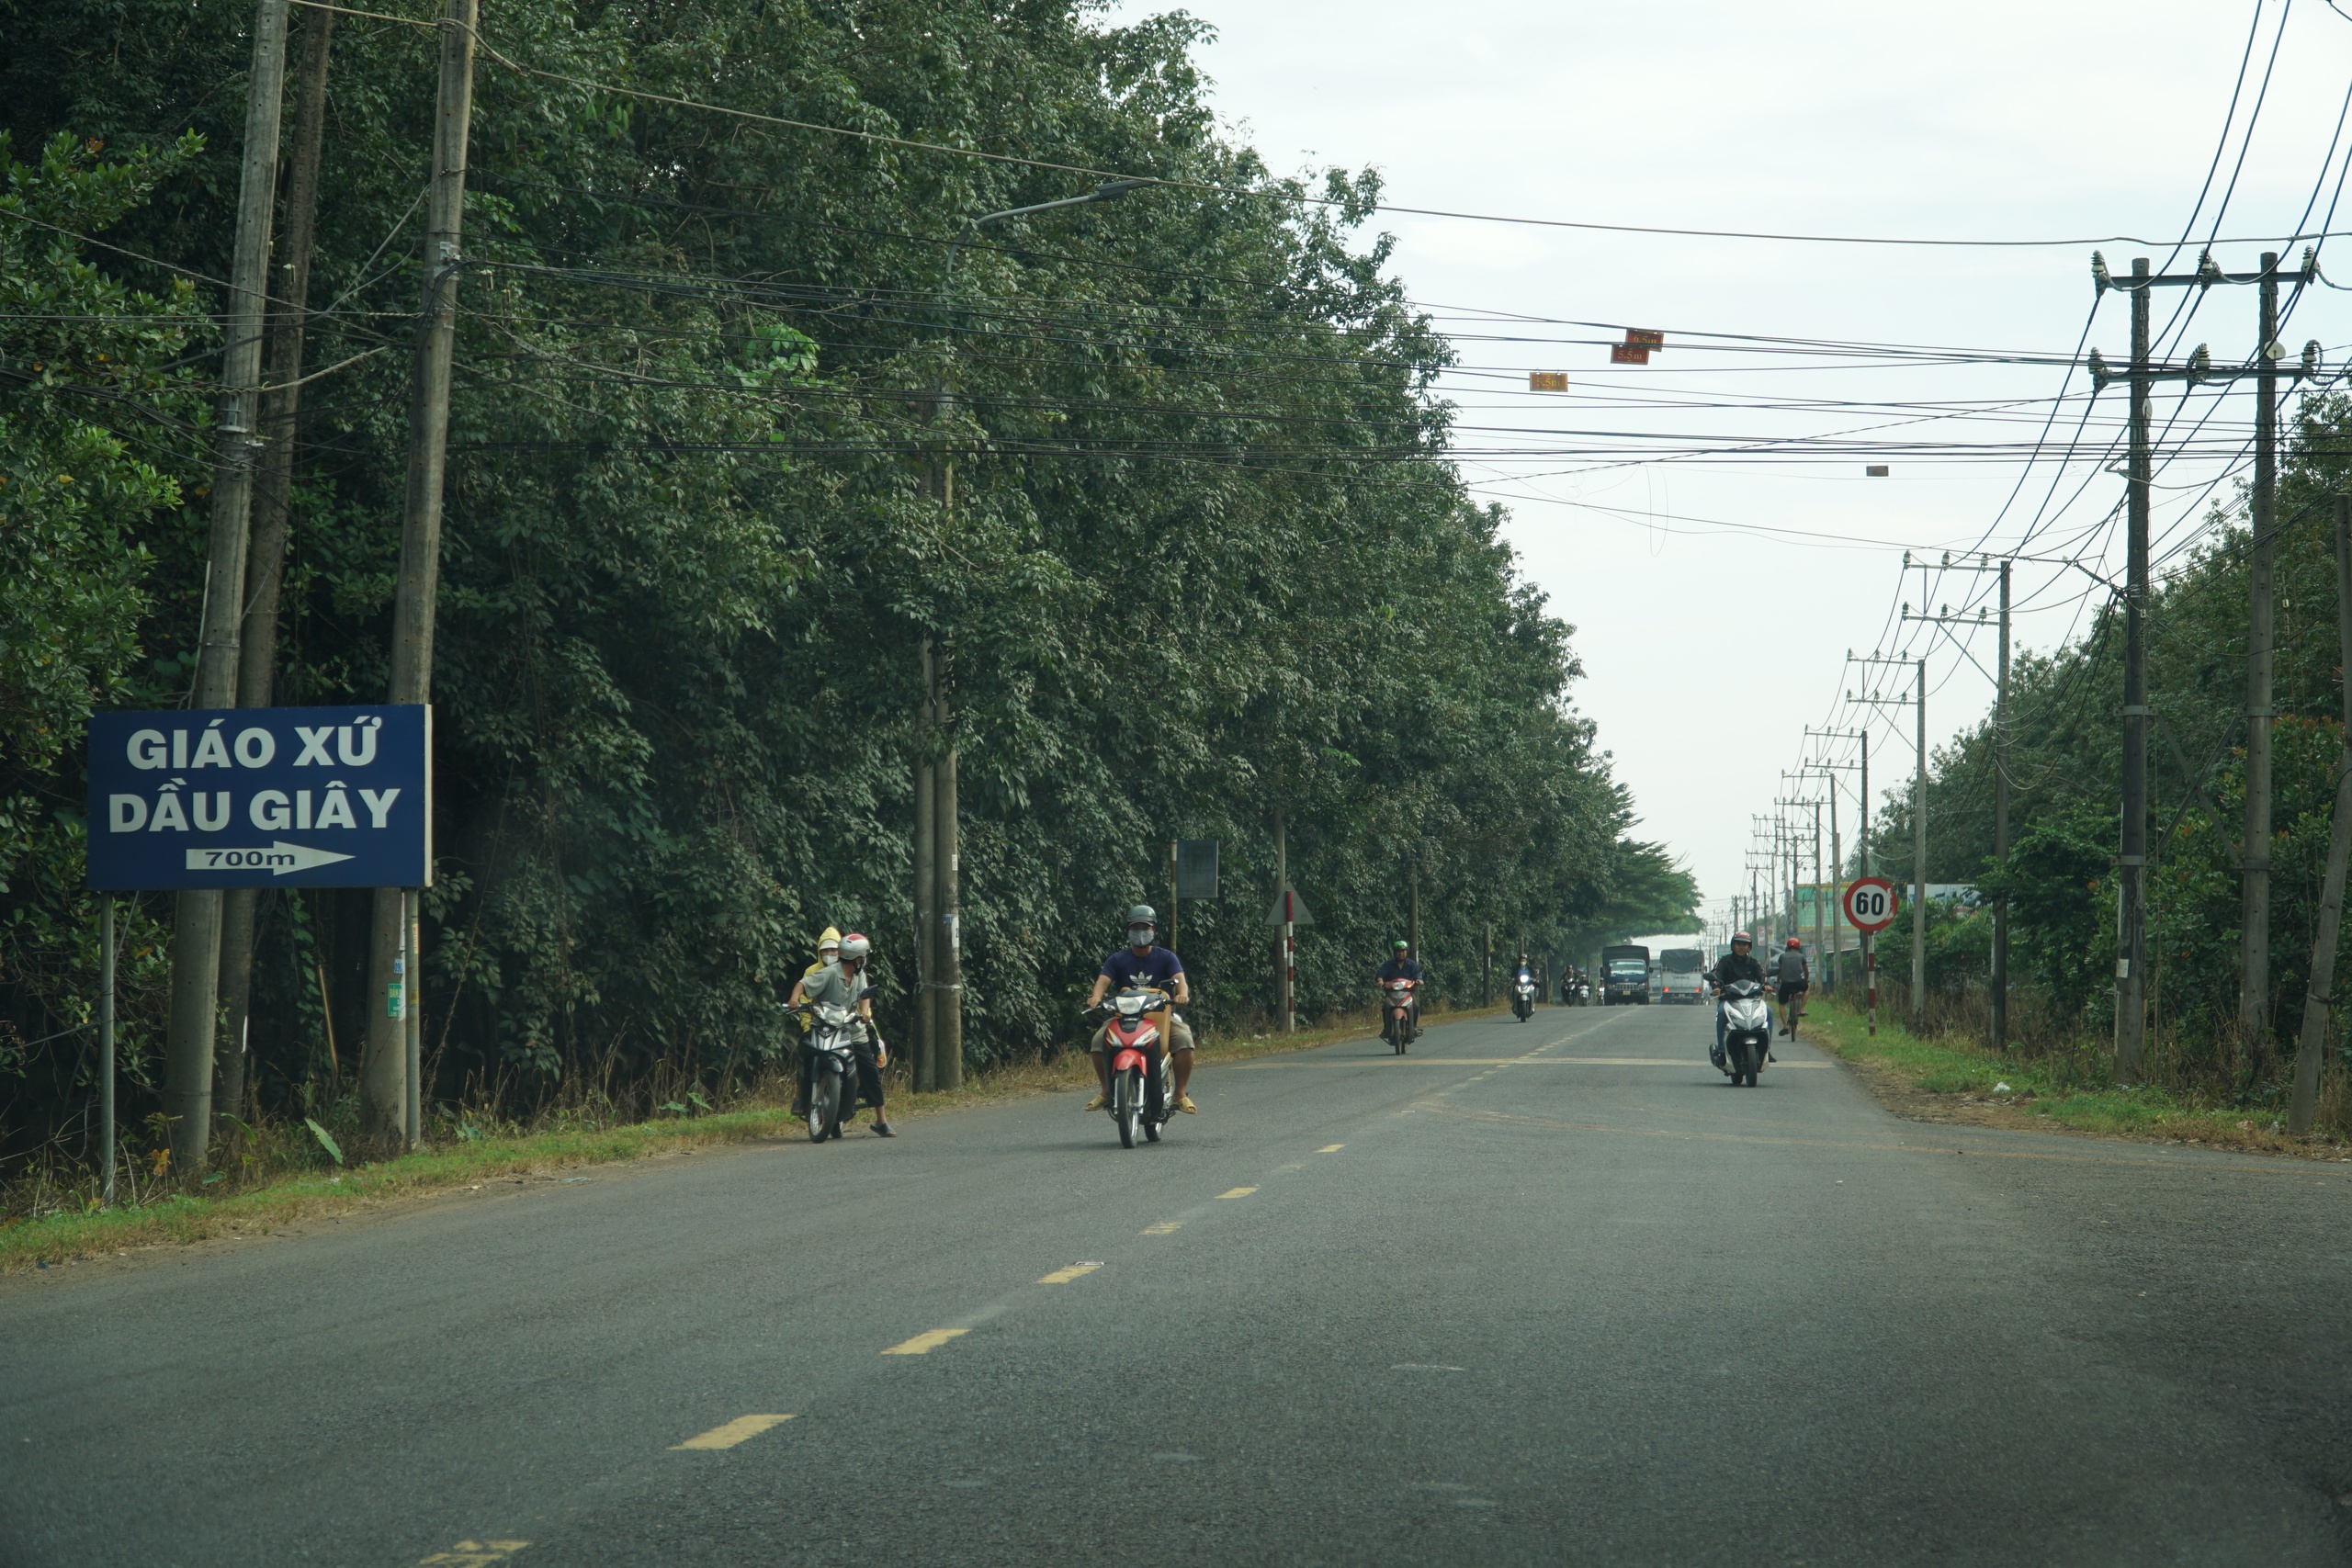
<point>854,947</point>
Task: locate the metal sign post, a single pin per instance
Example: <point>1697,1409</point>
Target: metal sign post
<point>105,1040</point>
<point>1290,961</point>
<point>1290,912</point>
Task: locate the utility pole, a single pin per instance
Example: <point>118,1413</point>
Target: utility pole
<point>2253,958</point>
<point>1918,824</point>
<point>926,899</point>
<point>388,1076</point>
<point>2001,826</point>
<point>1837,846</point>
<point>2318,995</point>
<point>1287,966</point>
<point>2131,965</point>
<point>2132,995</point>
<point>1919,860</point>
<point>939,949</point>
<point>1413,915</point>
<point>196,931</point>
<point>1998,989</point>
<point>265,557</point>
<point>1820,951</point>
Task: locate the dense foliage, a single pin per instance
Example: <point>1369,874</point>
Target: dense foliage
<point>1202,556</point>
<point>2066,746</point>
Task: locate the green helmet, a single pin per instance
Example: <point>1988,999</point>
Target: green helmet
<point>1401,945</point>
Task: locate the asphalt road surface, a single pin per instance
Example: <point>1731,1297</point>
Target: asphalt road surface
<point>1548,1292</point>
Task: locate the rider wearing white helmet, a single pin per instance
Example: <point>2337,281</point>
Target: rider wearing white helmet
<point>842,983</point>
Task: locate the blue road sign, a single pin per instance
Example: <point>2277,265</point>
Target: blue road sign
<point>262,797</point>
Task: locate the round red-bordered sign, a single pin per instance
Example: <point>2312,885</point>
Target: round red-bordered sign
<point>1871,903</point>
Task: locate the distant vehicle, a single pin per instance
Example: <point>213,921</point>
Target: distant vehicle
<point>1624,976</point>
<point>1684,972</point>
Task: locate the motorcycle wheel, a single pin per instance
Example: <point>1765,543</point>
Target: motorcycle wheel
<point>823,1096</point>
<point>1126,1108</point>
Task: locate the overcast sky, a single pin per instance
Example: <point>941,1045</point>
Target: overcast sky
<point>1708,647</point>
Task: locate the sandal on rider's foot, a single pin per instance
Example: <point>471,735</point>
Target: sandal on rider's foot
<point>1098,1102</point>
<point>1184,1103</point>
<point>882,1129</point>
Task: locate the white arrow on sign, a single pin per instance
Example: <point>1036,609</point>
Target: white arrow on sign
<point>277,860</point>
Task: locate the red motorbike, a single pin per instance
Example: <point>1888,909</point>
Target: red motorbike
<point>1396,1013</point>
<point>1142,1095</point>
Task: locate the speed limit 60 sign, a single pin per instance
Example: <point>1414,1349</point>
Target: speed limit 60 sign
<point>1870,904</point>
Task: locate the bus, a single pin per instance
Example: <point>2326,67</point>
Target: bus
<point>1684,971</point>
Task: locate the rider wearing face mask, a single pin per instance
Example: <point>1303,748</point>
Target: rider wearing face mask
<point>1140,962</point>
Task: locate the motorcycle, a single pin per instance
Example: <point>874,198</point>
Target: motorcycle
<point>1396,1012</point>
<point>833,1066</point>
<point>1522,998</point>
<point>1747,1033</point>
<point>1142,1092</point>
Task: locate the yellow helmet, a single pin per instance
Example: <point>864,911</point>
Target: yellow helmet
<point>833,938</point>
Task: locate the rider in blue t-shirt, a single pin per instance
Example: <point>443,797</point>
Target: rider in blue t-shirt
<point>1140,962</point>
<point>1404,967</point>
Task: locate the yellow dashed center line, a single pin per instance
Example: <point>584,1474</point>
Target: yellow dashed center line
<point>1330,1148</point>
<point>1064,1276</point>
<point>1164,1227</point>
<point>473,1554</point>
<point>734,1432</point>
<point>1238,1192</point>
<point>925,1343</point>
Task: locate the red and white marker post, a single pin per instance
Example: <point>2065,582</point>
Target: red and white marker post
<point>1871,903</point>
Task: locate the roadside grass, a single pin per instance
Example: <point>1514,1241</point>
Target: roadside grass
<point>458,1162</point>
<point>1954,1082</point>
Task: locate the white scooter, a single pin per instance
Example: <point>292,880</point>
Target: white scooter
<point>1522,998</point>
<point>1747,1033</point>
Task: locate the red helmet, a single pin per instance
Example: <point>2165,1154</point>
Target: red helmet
<point>1794,942</point>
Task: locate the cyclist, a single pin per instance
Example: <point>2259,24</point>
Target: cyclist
<point>842,983</point>
<point>1796,976</point>
<point>1142,963</point>
<point>1403,967</point>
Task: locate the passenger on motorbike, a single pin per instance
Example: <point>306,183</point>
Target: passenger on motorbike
<point>842,983</point>
<point>1739,963</point>
<point>1141,963</point>
<point>829,948</point>
<point>1403,967</point>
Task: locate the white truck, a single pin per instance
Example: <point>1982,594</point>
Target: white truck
<point>1682,975</point>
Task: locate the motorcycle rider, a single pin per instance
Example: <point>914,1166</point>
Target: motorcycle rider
<point>829,948</point>
<point>1141,963</point>
<point>1739,963</point>
<point>1523,976</point>
<point>842,983</point>
<point>1402,967</point>
<point>1796,976</point>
